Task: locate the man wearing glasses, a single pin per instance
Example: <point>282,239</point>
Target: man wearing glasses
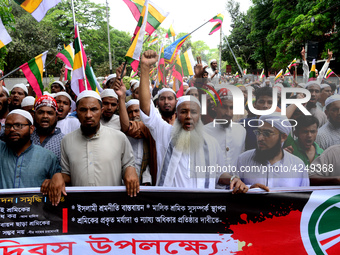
<point>269,164</point>
<point>22,163</point>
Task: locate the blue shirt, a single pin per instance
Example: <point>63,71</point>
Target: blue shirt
<point>52,142</point>
<point>30,169</point>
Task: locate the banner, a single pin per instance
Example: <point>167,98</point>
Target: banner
<point>104,220</point>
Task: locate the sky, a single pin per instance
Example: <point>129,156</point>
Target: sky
<point>186,16</point>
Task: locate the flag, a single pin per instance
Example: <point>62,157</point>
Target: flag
<point>237,75</point>
<point>133,73</point>
<point>155,14</point>
<point>81,68</point>
<point>33,71</point>
<point>262,75</point>
<point>278,75</point>
<point>328,73</point>
<point>177,72</point>
<point>171,32</point>
<point>161,69</point>
<point>4,36</point>
<point>37,8</point>
<point>188,62</point>
<point>171,51</point>
<point>287,72</point>
<point>219,19</point>
<point>245,71</point>
<point>133,54</point>
<point>154,41</point>
<point>293,63</point>
<point>67,55</point>
<point>312,75</point>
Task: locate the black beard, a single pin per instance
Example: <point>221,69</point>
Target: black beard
<point>310,105</point>
<point>88,131</point>
<point>263,156</point>
<point>167,114</point>
<point>13,107</point>
<point>106,119</point>
<point>44,131</point>
<point>15,145</point>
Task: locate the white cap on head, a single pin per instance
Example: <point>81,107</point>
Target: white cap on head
<point>155,97</point>
<point>132,82</point>
<point>48,94</point>
<point>108,93</point>
<point>60,83</point>
<point>276,120</point>
<point>89,93</point>
<point>136,85</point>
<point>324,85</point>
<point>310,83</point>
<point>63,93</point>
<point>131,102</point>
<point>302,85</point>
<point>213,60</point>
<point>190,89</point>
<point>183,99</point>
<point>23,113</point>
<point>5,90</point>
<point>27,101</point>
<point>22,86</point>
<point>166,90</point>
<point>185,84</point>
<point>332,99</point>
<point>111,76</point>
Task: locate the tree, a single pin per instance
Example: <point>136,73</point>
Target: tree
<point>7,19</point>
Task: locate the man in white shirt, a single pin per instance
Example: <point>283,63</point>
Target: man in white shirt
<point>94,155</point>
<point>110,105</point>
<point>213,72</point>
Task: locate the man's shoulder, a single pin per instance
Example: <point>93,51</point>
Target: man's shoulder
<point>111,132</point>
<point>292,158</point>
<point>247,154</point>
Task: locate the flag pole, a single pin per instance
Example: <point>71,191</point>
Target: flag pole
<point>220,55</point>
<point>13,71</point>
<point>73,14</point>
<point>108,35</point>
<point>81,59</point>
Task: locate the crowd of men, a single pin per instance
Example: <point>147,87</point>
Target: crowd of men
<point>149,135</point>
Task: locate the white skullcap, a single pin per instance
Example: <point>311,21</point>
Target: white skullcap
<point>213,60</point>
<point>111,76</point>
<point>5,90</point>
<point>136,85</point>
<point>311,83</point>
<point>303,85</point>
<point>22,86</point>
<point>131,102</point>
<point>23,113</point>
<point>166,90</point>
<point>63,93</point>
<point>89,93</point>
<point>185,84</point>
<point>49,94</point>
<point>60,83</point>
<point>27,101</point>
<point>132,82</point>
<point>183,99</point>
<point>324,85</point>
<point>189,89</point>
<point>276,120</point>
<point>108,93</point>
<point>332,99</point>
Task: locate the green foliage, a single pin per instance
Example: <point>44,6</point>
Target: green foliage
<point>7,19</point>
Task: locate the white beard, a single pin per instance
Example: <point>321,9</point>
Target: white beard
<point>187,141</point>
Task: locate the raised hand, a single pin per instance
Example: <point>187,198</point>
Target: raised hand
<point>149,58</point>
<point>303,54</point>
<point>330,55</point>
<point>199,69</point>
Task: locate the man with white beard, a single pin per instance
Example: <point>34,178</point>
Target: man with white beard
<point>187,157</point>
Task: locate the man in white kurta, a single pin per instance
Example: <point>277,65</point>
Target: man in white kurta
<point>275,167</point>
<point>110,105</point>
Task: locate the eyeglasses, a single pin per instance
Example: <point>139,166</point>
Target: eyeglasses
<point>264,133</point>
<point>16,126</point>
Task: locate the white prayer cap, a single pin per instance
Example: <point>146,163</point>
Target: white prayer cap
<point>108,93</point>
<point>63,93</point>
<point>5,90</point>
<point>111,76</point>
<point>23,113</point>
<point>190,89</point>
<point>332,99</point>
<point>49,94</point>
<point>131,102</point>
<point>324,85</point>
<point>22,86</point>
<point>132,82</point>
<point>213,60</point>
<point>302,85</point>
<point>160,92</point>
<point>60,83</point>
<point>27,101</point>
<point>185,84</point>
<point>136,85</point>
<point>183,99</point>
<point>310,83</point>
<point>276,120</point>
<point>89,93</point>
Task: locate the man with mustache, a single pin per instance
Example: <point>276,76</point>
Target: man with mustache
<point>24,164</point>
<point>46,134</point>
<point>110,105</point>
<point>269,164</point>
<point>18,93</point>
